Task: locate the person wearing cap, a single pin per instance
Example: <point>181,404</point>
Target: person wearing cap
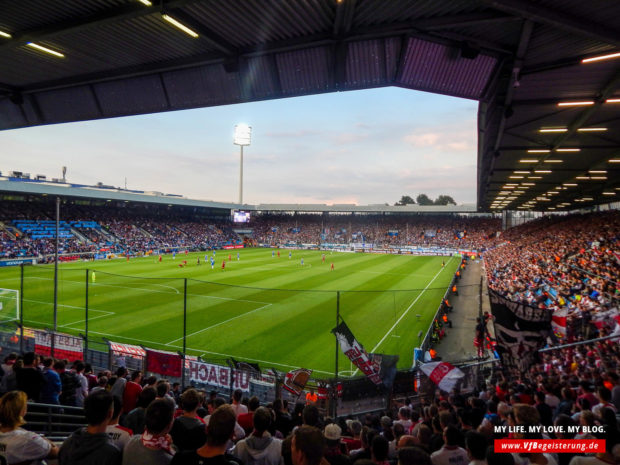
<point>333,451</point>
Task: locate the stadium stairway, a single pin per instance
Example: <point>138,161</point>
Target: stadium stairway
<point>458,344</point>
<point>7,230</point>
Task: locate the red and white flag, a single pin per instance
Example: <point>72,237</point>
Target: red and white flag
<point>558,322</point>
<point>443,374</point>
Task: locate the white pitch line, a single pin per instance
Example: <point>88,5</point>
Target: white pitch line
<point>69,306</point>
<point>110,285</point>
<point>153,290</point>
<point>219,324</point>
<point>407,310</point>
<point>194,349</point>
<point>395,274</point>
<point>66,325</point>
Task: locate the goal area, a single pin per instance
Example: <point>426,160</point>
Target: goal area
<point>9,305</point>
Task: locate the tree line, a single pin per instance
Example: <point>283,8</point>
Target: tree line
<point>424,199</point>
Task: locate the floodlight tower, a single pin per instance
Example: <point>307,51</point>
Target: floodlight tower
<point>243,135</point>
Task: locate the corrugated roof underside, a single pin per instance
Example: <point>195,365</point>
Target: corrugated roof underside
<point>437,68</point>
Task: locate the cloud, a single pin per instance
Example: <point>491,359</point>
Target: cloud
<point>451,138</point>
<point>423,140</point>
<point>292,134</point>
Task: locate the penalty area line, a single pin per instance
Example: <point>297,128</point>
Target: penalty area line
<point>218,324</point>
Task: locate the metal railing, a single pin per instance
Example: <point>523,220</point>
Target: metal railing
<point>55,422</point>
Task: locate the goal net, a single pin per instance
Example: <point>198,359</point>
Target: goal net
<point>9,304</point>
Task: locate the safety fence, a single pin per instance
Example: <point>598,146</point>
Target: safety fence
<point>184,329</point>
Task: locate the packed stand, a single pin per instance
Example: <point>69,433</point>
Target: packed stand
<point>382,231</point>
<point>132,419</point>
<point>108,229</point>
<point>561,263</point>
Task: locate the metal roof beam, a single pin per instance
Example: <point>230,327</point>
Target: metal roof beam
<point>540,117</point>
<point>524,40</point>
<point>558,19</point>
<point>588,112</point>
<point>514,148</point>
<point>214,39</point>
<point>338,70</point>
<point>344,17</point>
<point>464,20</point>
<point>112,15</point>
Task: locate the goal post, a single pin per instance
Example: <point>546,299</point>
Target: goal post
<point>9,305</point>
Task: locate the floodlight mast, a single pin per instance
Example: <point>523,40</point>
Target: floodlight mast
<point>243,136</point>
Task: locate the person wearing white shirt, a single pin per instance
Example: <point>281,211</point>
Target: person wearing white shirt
<point>450,453</point>
<point>237,406</point>
<point>16,444</point>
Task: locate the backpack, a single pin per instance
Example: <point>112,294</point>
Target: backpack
<point>70,384</point>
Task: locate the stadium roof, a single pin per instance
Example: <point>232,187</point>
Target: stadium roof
<point>20,186</point>
<point>74,61</point>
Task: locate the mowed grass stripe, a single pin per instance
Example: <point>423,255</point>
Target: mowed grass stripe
<point>293,331</point>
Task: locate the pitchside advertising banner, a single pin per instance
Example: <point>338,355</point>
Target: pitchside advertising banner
<point>520,330</point>
<point>18,261</point>
<point>219,376</point>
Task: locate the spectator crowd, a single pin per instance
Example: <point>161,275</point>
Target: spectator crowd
<point>133,419</point>
<point>563,263</point>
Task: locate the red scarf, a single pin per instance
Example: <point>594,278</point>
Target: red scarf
<point>157,442</point>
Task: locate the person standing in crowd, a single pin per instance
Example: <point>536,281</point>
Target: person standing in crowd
<point>188,430</point>
<point>334,448</point>
<point>307,446</point>
<point>69,384</point>
<point>136,418</point>
<point>132,392</point>
<point>450,453</point>
<point>154,445</point>
<point>118,434</point>
<point>246,419</point>
<point>82,391</point>
<point>91,445</point>
<point>237,406</point>
<point>221,428</point>
<point>260,448</point>
<point>29,377</point>
<point>118,388</point>
<point>18,446</point>
<point>53,386</point>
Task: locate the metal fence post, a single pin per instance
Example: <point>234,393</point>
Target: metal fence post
<point>86,320</point>
<point>184,331</point>
<point>334,387</point>
<point>21,309</point>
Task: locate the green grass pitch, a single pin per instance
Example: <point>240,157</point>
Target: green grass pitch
<point>274,311</point>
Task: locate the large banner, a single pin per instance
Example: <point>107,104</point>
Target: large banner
<point>220,376</point>
<point>164,363</point>
<point>520,330</point>
<point>65,346</point>
<point>380,368</point>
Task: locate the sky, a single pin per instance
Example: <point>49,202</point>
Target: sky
<point>357,147</point>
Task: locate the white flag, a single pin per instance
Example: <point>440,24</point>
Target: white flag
<point>442,374</point>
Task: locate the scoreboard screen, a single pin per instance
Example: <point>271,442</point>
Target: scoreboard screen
<point>240,216</point>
